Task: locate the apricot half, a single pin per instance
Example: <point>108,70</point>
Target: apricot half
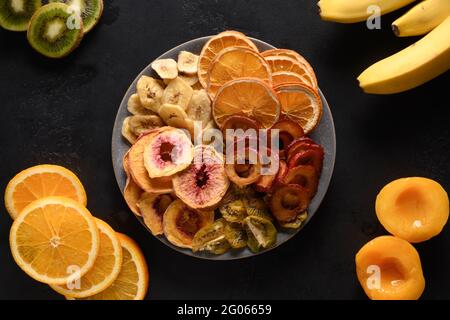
<point>414,209</point>
<point>389,268</point>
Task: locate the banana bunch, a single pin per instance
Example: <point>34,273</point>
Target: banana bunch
<point>413,66</point>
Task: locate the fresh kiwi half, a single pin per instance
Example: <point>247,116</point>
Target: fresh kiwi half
<point>16,14</point>
<point>55,30</point>
<point>90,11</point>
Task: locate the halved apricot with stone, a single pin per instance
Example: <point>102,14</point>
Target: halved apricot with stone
<point>389,268</point>
<point>415,209</point>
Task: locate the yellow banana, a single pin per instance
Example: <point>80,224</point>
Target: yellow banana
<point>349,11</point>
<point>411,67</point>
<point>422,18</point>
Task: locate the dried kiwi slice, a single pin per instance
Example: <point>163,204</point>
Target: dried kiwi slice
<point>16,14</point>
<point>211,238</point>
<point>261,233</point>
<point>90,11</point>
<point>236,235</point>
<point>54,30</point>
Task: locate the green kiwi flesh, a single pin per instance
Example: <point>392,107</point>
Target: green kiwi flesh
<point>90,11</point>
<point>16,14</point>
<point>55,30</point>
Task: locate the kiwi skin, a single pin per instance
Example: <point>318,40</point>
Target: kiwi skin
<point>48,54</point>
<point>22,22</point>
<point>96,19</point>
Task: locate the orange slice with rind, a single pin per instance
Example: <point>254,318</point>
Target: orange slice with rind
<point>233,63</point>
<point>301,104</point>
<point>55,240</point>
<point>132,282</point>
<point>282,63</point>
<point>216,44</point>
<point>39,182</point>
<point>106,268</point>
<point>248,96</point>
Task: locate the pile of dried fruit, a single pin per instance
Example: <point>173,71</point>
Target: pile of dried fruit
<point>54,29</point>
<point>57,241</point>
<point>179,181</point>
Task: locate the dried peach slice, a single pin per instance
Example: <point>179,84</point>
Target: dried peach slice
<point>132,191</point>
<point>234,63</point>
<point>215,45</point>
<point>139,172</point>
<point>152,207</point>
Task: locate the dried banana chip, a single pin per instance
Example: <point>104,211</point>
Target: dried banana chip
<point>177,92</point>
<point>165,68</point>
<point>126,132</point>
<point>187,62</point>
<point>140,124</point>
<point>150,92</point>
<point>199,108</point>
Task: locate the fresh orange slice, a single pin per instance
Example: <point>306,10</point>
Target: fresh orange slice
<point>283,77</point>
<point>281,63</point>
<point>54,240</point>
<point>216,44</point>
<point>39,182</point>
<point>294,55</point>
<point>132,282</point>
<point>301,104</point>
<point>234,63</point>
<point>105,270</point>
<point>251,97</point>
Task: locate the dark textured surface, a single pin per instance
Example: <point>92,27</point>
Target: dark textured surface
<point>63,111</point>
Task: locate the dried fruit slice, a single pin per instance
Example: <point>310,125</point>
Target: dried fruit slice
<point>236,235</point>
<point>288,201</point>
<point>270,162</point>
<point>126,131</point>
<point>282,171</point>
<point>233,210</point>
<point>150,92</point>
<point>191,80</point>
<point>135,106</point>
<point>141,124</point>
<point>167,152</point>
<point>298,145</point>
<point>311,157</point>
<point>53,235</point>
<point>211,238</point>
<point>165,68</point>
<point>170,111</point>
<point>132,192</point>
<point>301,104</point>
<point>238,121</point>
<point>132,282</point>
<point>199,108</point>
<point>215,45</point>
<point>234,63</point>
<point>287,77</point>
<point>280,63</point>
<point>138,170</point>
<point>250,97</point>
<point>297,223</point>
<point>152,207</point>
<point>204,183</point>
<point>245,169</point>
<point>39,182</point>
<point>188,62</point>
<point>288,131</point>
<point>106,268</point>
<point>256,206</point>
<point>181,223</point>
<point>294,55</point>
<point>261,233</point>
<point>305,176</point>
<point>177,92</point>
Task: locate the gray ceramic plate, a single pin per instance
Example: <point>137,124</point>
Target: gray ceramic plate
<point>324,135</point>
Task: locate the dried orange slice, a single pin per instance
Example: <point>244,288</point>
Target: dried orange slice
<point>132,282</point>
<point>39,182</point>
<point>215,45</point>
<point>294,55</point>
<point>105,270</point>
<point>233,63</point>
<point>281,63</point>
<point>301,104</point>
<point>251,97</point>
<point>283,77</point>
<point>54,240</point>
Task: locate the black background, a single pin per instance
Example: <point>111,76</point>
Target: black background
<point>62,112</point>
